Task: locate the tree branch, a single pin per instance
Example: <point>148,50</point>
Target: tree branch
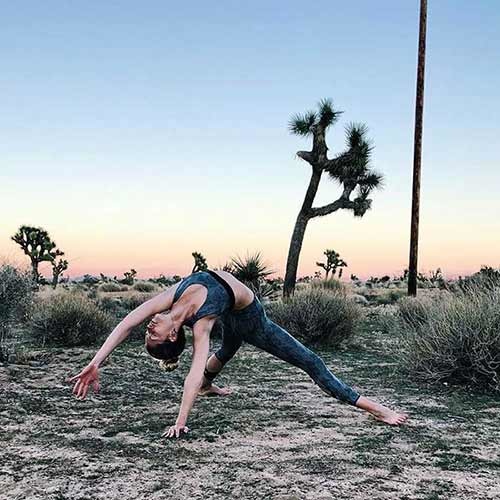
<point>306,156</point>
<point>331,207</point>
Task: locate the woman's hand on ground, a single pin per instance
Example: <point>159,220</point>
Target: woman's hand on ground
<point>89,376</point>
<point>175,430</point>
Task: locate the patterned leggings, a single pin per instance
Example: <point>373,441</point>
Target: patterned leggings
<point>253,326</point>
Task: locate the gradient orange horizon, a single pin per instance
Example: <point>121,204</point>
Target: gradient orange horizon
<point>140,227</point>
<point>157,251</point>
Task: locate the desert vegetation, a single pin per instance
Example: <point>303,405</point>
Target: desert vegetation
<point>437,356</point>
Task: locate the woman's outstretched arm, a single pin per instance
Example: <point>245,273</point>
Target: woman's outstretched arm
<point>89,376</point>
<point>194,379</point>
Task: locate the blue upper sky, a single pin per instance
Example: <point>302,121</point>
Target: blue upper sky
<point>196,97</point>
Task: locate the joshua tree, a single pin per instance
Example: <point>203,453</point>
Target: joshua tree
<point>200,263</point>
<point>351,169</point>
<point>58,267</point>
<point>38,246</point>
<point>129,277</point>
<point>333,262</point>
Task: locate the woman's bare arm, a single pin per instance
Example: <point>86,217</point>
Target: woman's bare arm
<point>156,304</point>
<point>90,375</point>
<point>194,379</point>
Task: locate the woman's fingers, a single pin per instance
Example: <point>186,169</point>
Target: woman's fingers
<point>82,390</point>
<point>72,379</point>
<point>77,386</point>
<point>96,386</point>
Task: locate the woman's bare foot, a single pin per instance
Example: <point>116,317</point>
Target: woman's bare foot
<point>214,390</point>
<point>381,412</point>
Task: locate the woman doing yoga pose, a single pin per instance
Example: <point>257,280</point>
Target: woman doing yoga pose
<point>197,301</point>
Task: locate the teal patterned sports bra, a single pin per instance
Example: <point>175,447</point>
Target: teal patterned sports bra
<point>220,296</point>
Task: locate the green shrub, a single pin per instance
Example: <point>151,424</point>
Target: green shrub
<point>113,287</point>
<point>455,337</point>
<point>328,284</point>
<point>16,295</point>
<point>317,316</point>
<point>70,319</point>
<point>143,286</point>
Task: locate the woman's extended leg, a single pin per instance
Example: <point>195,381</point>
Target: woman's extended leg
<point>277,341</point>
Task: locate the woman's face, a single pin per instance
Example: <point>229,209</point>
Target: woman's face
<point>161,329</point>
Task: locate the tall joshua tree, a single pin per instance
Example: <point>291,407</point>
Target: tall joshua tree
<point>351,169</point>
<point>37,245</point>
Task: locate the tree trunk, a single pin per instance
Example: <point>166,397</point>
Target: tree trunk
<point>292,262</point>
<point>36,276</point>
<point>417,152</point>
<point>299,230</point>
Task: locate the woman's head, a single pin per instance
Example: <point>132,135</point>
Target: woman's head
<point>164,341</point>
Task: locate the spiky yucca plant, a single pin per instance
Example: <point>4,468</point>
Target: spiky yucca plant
<point>351,169</point>
<point>253,271</point>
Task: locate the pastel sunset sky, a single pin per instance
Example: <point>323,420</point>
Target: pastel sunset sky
<point>138,132</point>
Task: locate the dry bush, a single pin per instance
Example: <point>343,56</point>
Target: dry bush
<point>455,337</point>
<point>331,284</point>
<point>16,295</point>
<point>69,319</point>
<point>317,316</point>
<point>112,287</point>
<point>143,286</point>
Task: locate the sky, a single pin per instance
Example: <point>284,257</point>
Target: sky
<point>138,132</point>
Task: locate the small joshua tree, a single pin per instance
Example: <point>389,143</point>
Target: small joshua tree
<point>37,245</point>
<point>200,263</point>
<point>351,169</point>
<point>333,262</point>
<point>58,267</point>
<point>129,277</point>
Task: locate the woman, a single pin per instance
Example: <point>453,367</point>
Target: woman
<point>197,301</point>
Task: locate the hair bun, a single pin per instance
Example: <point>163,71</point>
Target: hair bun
<point>169,365</point>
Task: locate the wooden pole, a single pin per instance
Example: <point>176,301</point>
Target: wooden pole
<point>417,152</point>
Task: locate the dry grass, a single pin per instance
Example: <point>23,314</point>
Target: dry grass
<point>278,436</point>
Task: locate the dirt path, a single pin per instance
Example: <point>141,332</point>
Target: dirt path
<point>278,436</point>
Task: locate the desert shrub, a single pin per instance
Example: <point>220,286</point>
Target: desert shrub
<point>69,319</point>
<point>455,337</point>
<point>113,287</point>
<point>16,295</point>
<point>130,302</point>
<point>485,278</point>
<point>119,307</point>
<point>388,296</point>
<point>143,286</point>
<point>328,284</point>
<point>317,316</point>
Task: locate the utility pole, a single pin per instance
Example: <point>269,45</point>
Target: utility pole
<point>417,152</point>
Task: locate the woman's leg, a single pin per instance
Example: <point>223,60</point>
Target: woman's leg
<point>231,342</point>
<point>278,342</point>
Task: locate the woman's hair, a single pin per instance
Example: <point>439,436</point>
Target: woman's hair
<point>168,352</point>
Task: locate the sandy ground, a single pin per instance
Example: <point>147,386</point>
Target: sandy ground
<point>278,436</point>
